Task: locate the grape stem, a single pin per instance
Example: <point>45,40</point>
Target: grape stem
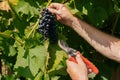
<point>74,4</point>
<point>33,29</point>
<point>49,1</point>
<point>21,43</point>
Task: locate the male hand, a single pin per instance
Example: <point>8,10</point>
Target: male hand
<point>62,13</point>
<point>77,71</point>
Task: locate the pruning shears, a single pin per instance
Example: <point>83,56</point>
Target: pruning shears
<point>72,53</point>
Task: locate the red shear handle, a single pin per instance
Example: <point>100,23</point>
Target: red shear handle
<point>72,59</point>
<point>89,64</point>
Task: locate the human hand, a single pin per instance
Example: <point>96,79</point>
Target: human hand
<point>77,71</point>
<point>62,13</point>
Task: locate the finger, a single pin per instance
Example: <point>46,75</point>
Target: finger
<point>58,17</point>
<point>54,11</point>
<point>79,59</point>
<point>56,5</point>
<point>70,64</point>
<point>67,62</point>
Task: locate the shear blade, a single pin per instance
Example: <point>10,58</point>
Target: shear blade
<point>70,51</point>
<point>63,45</point>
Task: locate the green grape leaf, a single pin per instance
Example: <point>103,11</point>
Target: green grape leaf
<point>56,55</point>
<point>23,13</point>
<point>33,59</point>
<point>104,78</point>
<point>39,76</point>
<point>21,66</point>
<point>37,58</point>
<point>21,61</point>
<point>30,60</point>
<point>46,77</point>
<point>12,51</point>
<point>59,57</point>
<point>74,11</point>
<point>55,78</point>
<point>25,8</point>
<point>77,13</point>
<point>6,34</point>
<point>92,75</point>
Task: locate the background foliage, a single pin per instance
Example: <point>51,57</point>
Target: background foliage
<point>24,56</point>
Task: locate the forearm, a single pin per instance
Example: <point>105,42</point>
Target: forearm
<point>107,45</point>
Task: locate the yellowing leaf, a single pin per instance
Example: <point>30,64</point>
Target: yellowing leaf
<point>14,2</point>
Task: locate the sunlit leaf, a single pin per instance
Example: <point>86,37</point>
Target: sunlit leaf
<point>56,56</point>
<point>46,77</point>
<point>5,34</point>
<point>12,51</point>
<point>104,78</point>
<point>21,61</point>
<point>25,8</point>
<point>14,2</point>
<point>39,76</point>
<point>55,78</point>
<point>31,60</point>
<point>37,58</point>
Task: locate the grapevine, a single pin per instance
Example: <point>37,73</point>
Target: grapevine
<point>27,56</point>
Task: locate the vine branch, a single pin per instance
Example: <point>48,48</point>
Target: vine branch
<point>74,4</point>
<point>10,36</point>
<point>49,1</point>
<point>34,27</point>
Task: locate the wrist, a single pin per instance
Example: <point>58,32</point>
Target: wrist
<point>74,23</point>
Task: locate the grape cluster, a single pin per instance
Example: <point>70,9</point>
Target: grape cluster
<point>47,26</point>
